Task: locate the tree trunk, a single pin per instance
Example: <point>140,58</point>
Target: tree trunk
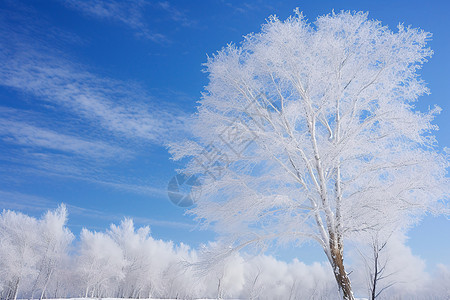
<point>47,280</point>
<point>219,290</point>
<point>375,274</point>
<point>15,290</point>
<point>337,263</point>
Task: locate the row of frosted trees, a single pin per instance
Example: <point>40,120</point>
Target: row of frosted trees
<point>40,258</point>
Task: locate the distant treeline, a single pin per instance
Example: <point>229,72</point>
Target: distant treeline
<point>39,259</point>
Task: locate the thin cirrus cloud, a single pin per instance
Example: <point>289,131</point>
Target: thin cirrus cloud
<point>104,105</point>
<point>76,124</point>
<point>132,14</point>
<point>23,134</point>
<point>117,106</point>
<point>14,200</point>
<point>176,14</point>
<point>128,13</point>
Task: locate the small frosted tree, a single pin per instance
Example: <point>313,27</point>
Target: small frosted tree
<point>53,244</point>
<point>100,263</point>
<point>18,252</point>
<point>308,132</point>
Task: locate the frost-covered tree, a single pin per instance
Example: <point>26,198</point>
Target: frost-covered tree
<point>53,244</point>
<point>31,251</point>
<point>137,276</point>
<point>18,252</point>
<point>439,287</point>
<point>100,263</point>
<point>308,131</point>
<point>270,278</point>
<point>225,274</point>
<point>146,260</point>
<point>375,265</point>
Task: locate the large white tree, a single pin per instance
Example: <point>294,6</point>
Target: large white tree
<point>308,131</point>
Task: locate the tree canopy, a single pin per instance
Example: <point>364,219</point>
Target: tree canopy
<point>308,131</point>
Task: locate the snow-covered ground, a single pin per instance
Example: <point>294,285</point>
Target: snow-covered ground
<point>152,299</point>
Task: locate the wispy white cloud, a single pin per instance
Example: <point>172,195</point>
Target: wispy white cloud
<point>138,186</point>
<point>23,134</point>
<point>176,14</point>
<point>123,108</point>
<point>97,214</point>
<point>18,201</point>
<point>128,13</point>
<point>132,14</point>
<point>242,7</point>
<point>117,106</point>
<point>80,125</point>
<point>14,200</point>
<point>39,151</point>
<point>40,165</point>
<point>16,20</point>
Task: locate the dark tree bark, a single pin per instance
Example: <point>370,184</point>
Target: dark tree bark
<point>337,263</point>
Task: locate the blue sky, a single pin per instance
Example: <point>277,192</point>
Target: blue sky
<point>91,91</point>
